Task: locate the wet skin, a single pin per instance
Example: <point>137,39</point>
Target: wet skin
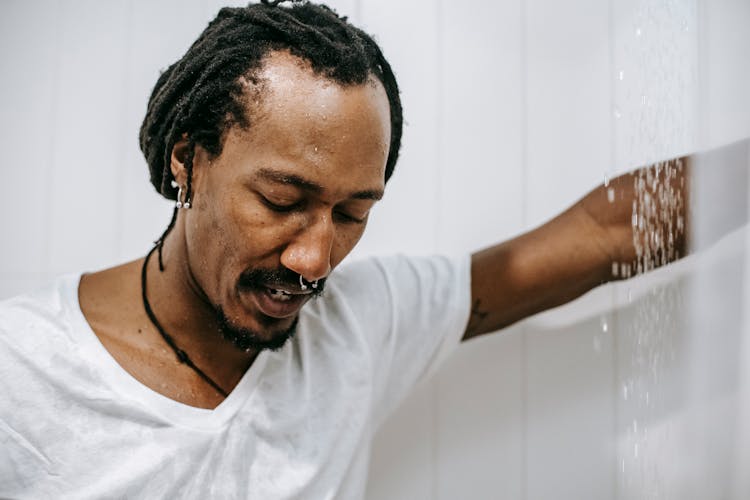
<point>291,193</point>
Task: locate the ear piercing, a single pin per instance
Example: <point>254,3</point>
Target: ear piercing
<point>180,203</point>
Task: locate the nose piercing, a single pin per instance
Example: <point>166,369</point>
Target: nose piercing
<point>303,285</point>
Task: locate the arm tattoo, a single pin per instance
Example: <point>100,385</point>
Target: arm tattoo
<point>476,319</point>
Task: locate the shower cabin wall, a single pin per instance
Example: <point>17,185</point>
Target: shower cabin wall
<point>513,110</point>
<point>607,397</point>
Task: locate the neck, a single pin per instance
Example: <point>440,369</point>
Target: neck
<point>187,316</point>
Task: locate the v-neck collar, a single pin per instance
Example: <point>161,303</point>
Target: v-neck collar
<point>127,386</point>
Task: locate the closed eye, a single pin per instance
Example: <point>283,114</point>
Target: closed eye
<point>280,207</point>
<point>349,219</point>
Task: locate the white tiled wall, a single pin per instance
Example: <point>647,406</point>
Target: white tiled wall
<point>513,109</point>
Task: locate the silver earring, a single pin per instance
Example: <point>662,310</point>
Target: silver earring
<point>182,204</point>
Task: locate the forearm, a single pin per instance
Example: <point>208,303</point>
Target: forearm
<point>635,223</point>
<point>589,244</point>
<point>535,271</point>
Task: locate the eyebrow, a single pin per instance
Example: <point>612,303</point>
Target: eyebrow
<point>297,181</point>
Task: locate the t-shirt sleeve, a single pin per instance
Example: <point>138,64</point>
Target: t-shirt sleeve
<point>426,304</point>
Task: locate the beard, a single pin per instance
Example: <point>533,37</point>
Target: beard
<point>251,340</point>
<point>248,339</point>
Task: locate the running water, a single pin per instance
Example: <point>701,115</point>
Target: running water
<point>655,97</point>
<point>658,216</point>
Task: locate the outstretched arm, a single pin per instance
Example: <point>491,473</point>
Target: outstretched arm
<point>589,244</point>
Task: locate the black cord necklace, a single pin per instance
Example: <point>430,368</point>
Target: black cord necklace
<point>182,356</point>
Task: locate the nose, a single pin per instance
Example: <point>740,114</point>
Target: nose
<point>309,252</point>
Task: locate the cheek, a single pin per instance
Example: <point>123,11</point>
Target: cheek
<point>214,227</point>
<point>254,233</point>
<point>208,239</point>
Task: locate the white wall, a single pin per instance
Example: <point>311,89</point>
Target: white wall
<point>513,110</point>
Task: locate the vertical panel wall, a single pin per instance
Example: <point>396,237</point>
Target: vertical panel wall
<point>28,105</point>
<point>568,112</point>
<point>479,411</point>
<point>406,220</point>
<point>568,151</point>
<point>725,100</point>
<point>87,129</point>
<point>513,110</point>
<point>160,32</point>
<point>403,459</point>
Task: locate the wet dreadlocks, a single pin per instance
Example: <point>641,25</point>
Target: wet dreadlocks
<point>202,95</point>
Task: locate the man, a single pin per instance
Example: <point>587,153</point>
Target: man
<point>236,359</point>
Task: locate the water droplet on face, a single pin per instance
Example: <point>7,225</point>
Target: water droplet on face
<point>611,195</point>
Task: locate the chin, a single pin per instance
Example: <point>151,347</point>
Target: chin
<point>272,334</point>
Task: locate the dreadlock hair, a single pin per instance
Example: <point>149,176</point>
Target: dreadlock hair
<point>201,96</point>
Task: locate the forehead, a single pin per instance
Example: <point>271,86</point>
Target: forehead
<point>288,84</point>
<point>300,119</point>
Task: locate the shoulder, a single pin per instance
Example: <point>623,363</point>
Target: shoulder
<point>377,285</point>
<point>395,269</point>
<point>33,320</point>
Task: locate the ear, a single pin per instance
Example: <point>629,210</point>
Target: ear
<point>177,160</point>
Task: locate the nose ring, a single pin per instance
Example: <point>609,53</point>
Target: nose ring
<point>303,285</point>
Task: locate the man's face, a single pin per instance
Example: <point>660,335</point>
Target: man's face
<point>289,196</point>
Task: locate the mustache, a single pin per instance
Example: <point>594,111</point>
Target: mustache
<point>260,278</point>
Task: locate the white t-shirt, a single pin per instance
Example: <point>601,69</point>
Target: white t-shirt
<point>74,424</point>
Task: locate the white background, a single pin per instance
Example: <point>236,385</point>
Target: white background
<point>513,110</point>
